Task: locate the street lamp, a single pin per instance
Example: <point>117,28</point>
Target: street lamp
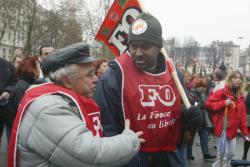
<point>242,65</point>
<point>240,38</point>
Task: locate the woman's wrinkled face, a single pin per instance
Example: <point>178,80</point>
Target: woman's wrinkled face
<point>236,80</point>
<point>85,83</point>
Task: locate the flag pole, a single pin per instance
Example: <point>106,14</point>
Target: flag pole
<point>172,70</point>
<point>176,79</point>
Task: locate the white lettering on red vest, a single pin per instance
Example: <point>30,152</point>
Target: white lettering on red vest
<point>96,121</point>
<point>120,34</point>
<point>152,93</point>
<point>157,114</point>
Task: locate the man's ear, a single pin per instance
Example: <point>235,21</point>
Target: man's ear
<point>66,82</point>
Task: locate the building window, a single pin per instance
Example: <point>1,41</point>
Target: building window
<point>10,52</point>
<point>4,52</point>
<point>9,36</point>
<point>19,37</point>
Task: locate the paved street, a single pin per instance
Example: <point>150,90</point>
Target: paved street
<point>198,162</point>
<point>3,151</point>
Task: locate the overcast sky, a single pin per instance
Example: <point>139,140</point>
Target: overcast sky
<point>204,20</point>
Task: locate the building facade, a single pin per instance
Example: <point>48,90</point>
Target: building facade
<point>209,56</point>
<point>244,61</point>
<point>228,53</point>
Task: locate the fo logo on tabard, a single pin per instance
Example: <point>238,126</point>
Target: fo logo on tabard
<point>139,27</point>
<point>151,94</point>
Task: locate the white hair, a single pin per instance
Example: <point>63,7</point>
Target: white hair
<point>69,71</point>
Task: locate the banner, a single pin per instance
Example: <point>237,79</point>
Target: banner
<point>115,27</point>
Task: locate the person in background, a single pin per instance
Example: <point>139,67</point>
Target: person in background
<point>44,51</point>
<point>28,72</point>
<point>58,124</point>
<point>7,80</point>
<point>17,59</point>
<point>199,97</point>
<point>182,147</point>
<point>246,142</point>
<point>138,85</point>
<point>230,98</point>
<point>101,68</point>
<point>218,80</point>
<point>187,78</point>
<point>223,68</point>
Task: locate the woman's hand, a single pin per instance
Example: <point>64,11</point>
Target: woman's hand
<point>5,95</point>
<point>139,134</point>
<point>229,102</point>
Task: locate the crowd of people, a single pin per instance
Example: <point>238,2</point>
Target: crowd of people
<point>66,108</point>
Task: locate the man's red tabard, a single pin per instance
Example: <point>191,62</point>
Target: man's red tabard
<point>89,111</point>
<point>153,105</point>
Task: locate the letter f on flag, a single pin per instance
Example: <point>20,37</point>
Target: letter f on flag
<point>115,27</point>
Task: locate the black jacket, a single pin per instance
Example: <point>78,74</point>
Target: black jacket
<point>247,103</point>
<point>7,75</point>
<point>17,94</point>
<point>7,80</point>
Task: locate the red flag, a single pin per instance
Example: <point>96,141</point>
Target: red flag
<point>115,27</point>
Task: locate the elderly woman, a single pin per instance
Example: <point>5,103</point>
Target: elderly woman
<point>57,124</point>
<point>230,98</point>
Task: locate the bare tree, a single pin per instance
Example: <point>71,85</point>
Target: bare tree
<point>17,30</point>
<point>218,52</point>
<point>71,31</point>
<point>30,18</point>
<point>57,26</point>
<point>6,16</point>
<point>91,17</point>
<point>190,50</point>
<point>4,9</point>
<point>61,23</point>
